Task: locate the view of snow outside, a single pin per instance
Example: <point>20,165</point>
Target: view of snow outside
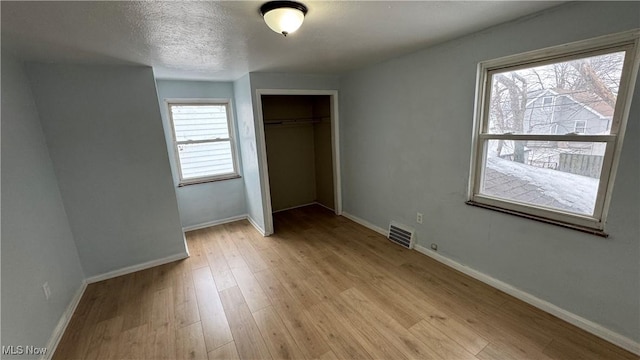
<point>576,98</point>
<point>543,187</point>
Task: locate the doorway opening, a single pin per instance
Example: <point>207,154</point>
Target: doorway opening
<point>299,151</point>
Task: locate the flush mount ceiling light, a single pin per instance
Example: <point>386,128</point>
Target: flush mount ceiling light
<point>283,17</point>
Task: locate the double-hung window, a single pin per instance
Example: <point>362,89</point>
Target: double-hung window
<point>554,160</point>
<point>203,140</point>
<point>580,127</point>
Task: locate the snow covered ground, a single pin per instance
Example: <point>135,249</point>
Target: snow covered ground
<point>569,192</point>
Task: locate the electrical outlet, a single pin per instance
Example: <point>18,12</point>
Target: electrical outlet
<point>419,218</point>
<point>47,290</point>
<point>434,247</point>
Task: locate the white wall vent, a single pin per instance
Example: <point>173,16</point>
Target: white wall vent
<point>401,235</point>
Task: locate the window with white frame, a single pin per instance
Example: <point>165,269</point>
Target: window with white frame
<point>203,140</point>
<point>580,127</point>
<point>556,166</point>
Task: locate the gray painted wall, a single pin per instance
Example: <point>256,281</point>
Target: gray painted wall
<point>323,151</point>
<point>291,160</point>
<point>247,142</point>
<point>104,132</point>
<point>201,203</point>
<point>406,144</point>
<point>37,242</point>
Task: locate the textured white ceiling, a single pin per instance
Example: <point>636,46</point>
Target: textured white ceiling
<point>225,40</point>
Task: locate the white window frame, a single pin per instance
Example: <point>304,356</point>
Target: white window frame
<point>627,41</point>
<point>231,139</point>
<point>583,127</point>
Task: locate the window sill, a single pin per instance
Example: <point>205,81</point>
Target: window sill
<point>204,181</point>
<point>584,229</point>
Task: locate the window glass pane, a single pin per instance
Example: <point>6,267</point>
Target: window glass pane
<point>205,159</point>
<point>560,175</point>
<point>200,122</point>
<point>551,99</point>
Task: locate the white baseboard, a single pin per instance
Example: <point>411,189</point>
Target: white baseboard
<point>214,223</point>
<point>138,267</point>
<point>325,206</point>
<point>582,323</point>
<point>255,225</point>
<point>366,224</point>
<point>294,207</point>
<point>309,204</point>
<point>60,328</point>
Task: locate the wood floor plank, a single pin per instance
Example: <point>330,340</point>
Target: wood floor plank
<point>224,280</point>
<point>501,351</point>
<point>222,275</point>
<point>443,345</point>
<point>377,345</point>
<point>213,252</point>
<point>290,311</point>
<point>232,255</point>
<point>75,340</point>
<point>271,258</point>
<point>184,298</point>
<point>276,336</point>
<point>212,315</point>
<point>161,343</point>
<point>137,299</point>
<point>406,342</point>
<point>113,291</point>
<point>463,335</point>
<point>104,341</point>
<point>340,339</point>
<point>225,352</point>
<point>564,349</point>
<point>247,337</point>
<point>329,355</point>
<point>190,343</point>
<point>249,253</point>
<point>459,284</point>
<point>162,309</point>
<point>164,275</point>
<point>297,286</point>
<point>321,287</point>
<point>132,343</point>
<point>332,275</point>
<point>253,294</point>
<point>407,316</point>
<point>162,339</point>
<point>256,240</point>
<point>197,257</point>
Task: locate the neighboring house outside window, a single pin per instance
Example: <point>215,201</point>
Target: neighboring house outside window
<point>549,130</point>
<point>203,139</point>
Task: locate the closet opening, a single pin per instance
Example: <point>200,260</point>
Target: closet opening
<point>300,149</point>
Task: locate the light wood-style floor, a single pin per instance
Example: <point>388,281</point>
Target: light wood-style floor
<point>322,287</point>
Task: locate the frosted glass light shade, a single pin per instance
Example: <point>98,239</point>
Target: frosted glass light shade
<point>283,17</point>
